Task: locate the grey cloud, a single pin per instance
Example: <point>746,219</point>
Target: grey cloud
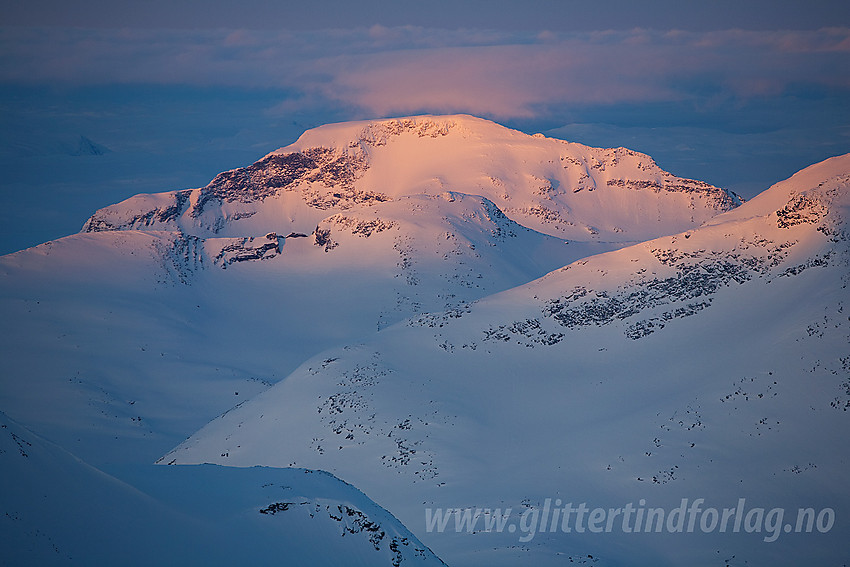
<point>396,70</point>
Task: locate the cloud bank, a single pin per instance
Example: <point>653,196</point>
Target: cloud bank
<point>381,71</point>
<point>739,109</point>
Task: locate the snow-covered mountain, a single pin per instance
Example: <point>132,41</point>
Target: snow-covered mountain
<point>710,364</point>
<point>559,188</point>
<point>447,314</point>
<point>167,309</point>
<point>57,510</point>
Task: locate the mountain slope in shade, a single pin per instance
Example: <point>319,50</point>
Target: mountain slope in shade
<point>711,364</point>
<point>559,188</point>
<point>57,510</point>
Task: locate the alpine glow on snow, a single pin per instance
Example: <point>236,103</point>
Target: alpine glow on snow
<point>454,283</point>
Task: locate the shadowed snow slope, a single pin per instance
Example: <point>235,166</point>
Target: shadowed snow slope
<point>711,364</point>
<point>57,510</point>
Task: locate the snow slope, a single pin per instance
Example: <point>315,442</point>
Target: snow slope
<point>127,341</point>
<point>57,510</point>
<point>711,364</point>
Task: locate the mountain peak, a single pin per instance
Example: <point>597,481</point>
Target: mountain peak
<point>86,147</point>
<point>562,189</point>
<point>376,132</point>
<point>825,184</point>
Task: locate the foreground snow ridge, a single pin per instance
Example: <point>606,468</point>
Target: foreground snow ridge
<point>520,349</point>
<point>64,511</point>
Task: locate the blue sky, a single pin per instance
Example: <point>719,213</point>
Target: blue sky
<point>740,94</point>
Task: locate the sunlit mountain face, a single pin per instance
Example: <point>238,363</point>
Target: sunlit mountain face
<point>449,315</point>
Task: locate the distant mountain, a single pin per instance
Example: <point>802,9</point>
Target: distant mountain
<point>86,147</point>
<point>559,188</point>
<point>52,146</point>
<point>710,364</point>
